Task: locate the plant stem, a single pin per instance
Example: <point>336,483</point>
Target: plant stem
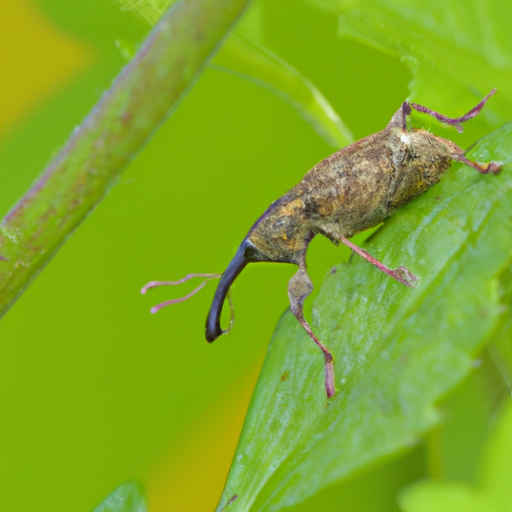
<point>142,96</point>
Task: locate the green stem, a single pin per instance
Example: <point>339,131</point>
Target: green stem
<point>142,96</point>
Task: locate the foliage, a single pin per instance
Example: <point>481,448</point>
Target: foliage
<point>454,51</point>
<point>398,352</point>
<point>493,493</point>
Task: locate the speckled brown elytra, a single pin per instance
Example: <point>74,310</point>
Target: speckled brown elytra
<point>353,190</point>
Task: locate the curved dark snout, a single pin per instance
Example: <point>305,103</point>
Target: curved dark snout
<point>238,263</point>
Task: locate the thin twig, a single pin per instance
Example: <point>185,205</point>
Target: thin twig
<point>143,95</point>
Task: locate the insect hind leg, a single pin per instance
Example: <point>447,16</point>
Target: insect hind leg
<point>456,121</point>
<point>484,168</point>
<point>400,117</point>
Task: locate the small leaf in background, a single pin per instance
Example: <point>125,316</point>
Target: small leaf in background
<point>456,51</point>
<point>128,497</point>
<point>496,475</point>
<point>444,497</point>
<point>494,494</point>
<point>397,351</point>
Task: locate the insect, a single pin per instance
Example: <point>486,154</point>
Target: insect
<point>352,190</point>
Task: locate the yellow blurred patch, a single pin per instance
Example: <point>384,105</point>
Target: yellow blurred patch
<point>37,58</point>
<point>192,478</point>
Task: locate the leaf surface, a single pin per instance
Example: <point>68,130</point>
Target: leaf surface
<point>456,51</point>
<point>494,493</point>
<point>397,351</point>
<point>444,497</point>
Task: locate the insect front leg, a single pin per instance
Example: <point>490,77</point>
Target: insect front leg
<point>299,288</point>
<point>454,121</point>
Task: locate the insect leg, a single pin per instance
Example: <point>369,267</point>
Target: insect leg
<point>457,120</point>
<point>484,168</point>
<point>299,287</point>
<point>401,274</point>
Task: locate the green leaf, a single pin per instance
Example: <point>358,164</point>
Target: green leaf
<point>497,467</point>
<point>494,493</point>
<point>444,497</point>
<point>500,347</point>
<point>128,497</point>
<point>457,51</point>
<point>397,351</point>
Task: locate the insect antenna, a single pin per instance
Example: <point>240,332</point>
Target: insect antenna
<point>155,284</point>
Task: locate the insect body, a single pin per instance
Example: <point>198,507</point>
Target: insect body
<point>351,191</point>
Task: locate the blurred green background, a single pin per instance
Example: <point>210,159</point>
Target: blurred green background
<point>93,389</point>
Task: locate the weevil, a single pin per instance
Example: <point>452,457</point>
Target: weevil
<point>350,191</point>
